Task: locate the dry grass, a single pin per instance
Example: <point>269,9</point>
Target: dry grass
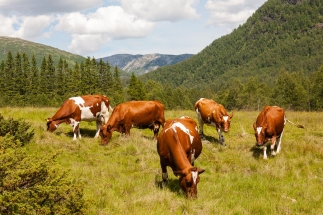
<point>124,176</point>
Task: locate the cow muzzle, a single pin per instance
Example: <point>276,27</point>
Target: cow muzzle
<point>259,144</point>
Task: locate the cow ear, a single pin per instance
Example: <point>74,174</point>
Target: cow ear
<point>200,171</point>
<point>109,128</point>
<point>231,115</point>
<point>254,126</point>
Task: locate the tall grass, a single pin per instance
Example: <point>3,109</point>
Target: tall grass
<point>124,176</point>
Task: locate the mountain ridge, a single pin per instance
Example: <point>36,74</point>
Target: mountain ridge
<point>39,50</point>
<point>142,64</point>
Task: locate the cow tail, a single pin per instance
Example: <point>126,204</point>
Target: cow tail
<point>297,125</point>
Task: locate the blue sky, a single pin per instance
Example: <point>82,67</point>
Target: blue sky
<point>101,28</point>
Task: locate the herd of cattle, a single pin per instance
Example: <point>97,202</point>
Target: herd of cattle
<point>179,143</point>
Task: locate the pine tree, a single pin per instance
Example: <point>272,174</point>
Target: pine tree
<point>61,75</point>
<point>9,79</point>
<point>135,90</point>
<point>34,82</point>
<point>117,88</point>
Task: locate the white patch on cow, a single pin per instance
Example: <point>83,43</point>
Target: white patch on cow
<point>86,114</point>
<point>194,176</point>
<point>259,129</point>
<point>225,118</point>
<point>78,100</point>
<point>183,128</point>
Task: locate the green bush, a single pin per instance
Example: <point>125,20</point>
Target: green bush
<point>33,184</point>
<point>17,129</point>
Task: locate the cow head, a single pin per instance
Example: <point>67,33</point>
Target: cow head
<point>260,134</point>
<point>51,125</point>
<point>225,121</point>
<point>188,181</point>
<point>105,133</point>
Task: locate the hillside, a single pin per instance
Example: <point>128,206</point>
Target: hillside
<point>23,46</point>
<point>281,34</point>
<point>141,64</point>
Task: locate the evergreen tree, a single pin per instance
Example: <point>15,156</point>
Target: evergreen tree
<point>19,81</point>
<point>34,82</point>
<point>26,77</point>
<point>135,90</point>
<point>51,80</point>
<point>117,88</point>
<point>61,75</point>
<point>9,79</point>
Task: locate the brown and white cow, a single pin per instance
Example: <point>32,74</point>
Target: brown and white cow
<point>139,114</point>
<point>270,126</point>
<point>213,114</point>
<point>82,108</point>
<point>178,145</point>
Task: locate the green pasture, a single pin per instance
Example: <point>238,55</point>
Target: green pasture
<point>124,177</point>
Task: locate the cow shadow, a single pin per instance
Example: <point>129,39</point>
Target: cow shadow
<point>171,184</point>
<point>209,139</point>
<point>258,152</point>
<point>84,133</point>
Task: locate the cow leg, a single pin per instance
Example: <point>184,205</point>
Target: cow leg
<point>221,137</point>
<point>164,172</point>
<point>272,146</point>
<point>76,131</point>
<point>265,152</point>
<point>201,123</point>
<point>98,125</point>
<point>279,142</point>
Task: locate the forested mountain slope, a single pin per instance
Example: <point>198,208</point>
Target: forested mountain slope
<point>16,45</point>
<point>280,35</point>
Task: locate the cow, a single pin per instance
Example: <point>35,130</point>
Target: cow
<point>212,114</point>
<point>82,108</point>
<point>270,126</point>
<point>178,145</point>
<point>139,114</point>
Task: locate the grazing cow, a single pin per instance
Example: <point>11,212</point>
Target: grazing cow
<point>213,114</point>
<point>178,145</point>
<point>82,108</point>
<point>139,114</point>
<point>270,126</point>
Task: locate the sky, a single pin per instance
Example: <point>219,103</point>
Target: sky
<point>101,28</point>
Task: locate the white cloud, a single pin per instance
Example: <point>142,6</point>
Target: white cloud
<point>86,43</point>
<point>101,26</point>
<point>231,12</point>
<point>25,27</point>
<point>165,10</point>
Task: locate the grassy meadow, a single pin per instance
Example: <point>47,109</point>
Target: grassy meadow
<point>124,177</point>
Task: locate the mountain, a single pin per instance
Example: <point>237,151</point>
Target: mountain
<point>141,64</point>
<point>280,35</point>
<point>39,50</point>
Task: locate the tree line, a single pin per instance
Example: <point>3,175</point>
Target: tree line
<point>25,83</point>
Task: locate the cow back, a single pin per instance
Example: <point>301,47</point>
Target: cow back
<point>177,141</point>
<point>139,113</point>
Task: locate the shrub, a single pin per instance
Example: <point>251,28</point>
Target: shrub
<point>33,184</point>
